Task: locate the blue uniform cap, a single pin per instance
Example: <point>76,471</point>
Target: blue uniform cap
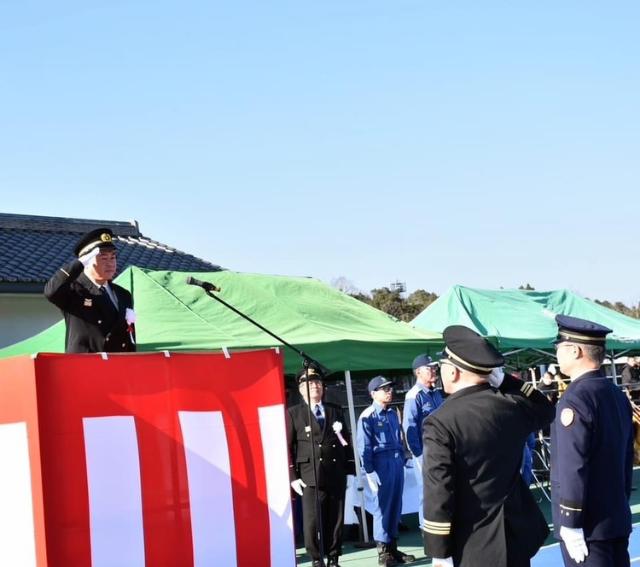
<point>377,383</point>
<point>422,360</point>
<point>575,330</point>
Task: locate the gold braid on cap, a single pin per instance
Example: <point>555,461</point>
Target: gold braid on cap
<point>578,337</point>
<point>105,238</point>
<point>463,361</point>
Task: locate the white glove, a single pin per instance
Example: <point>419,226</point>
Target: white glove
<point>130,316</point>
<point>87,259</point>
<point>297,485</point>
<point>574,541</point>
<point>373,480</point>
<point>496,377</point>
<point>446,562</point>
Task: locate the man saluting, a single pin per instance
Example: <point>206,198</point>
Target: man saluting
<point>478,511</point>
<point>98,314</point>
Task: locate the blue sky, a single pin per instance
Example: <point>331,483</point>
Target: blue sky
<point>485,144</point>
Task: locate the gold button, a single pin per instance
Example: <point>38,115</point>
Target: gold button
<point>320,459</point>
<point>123,345</point>
<point>99,321</point>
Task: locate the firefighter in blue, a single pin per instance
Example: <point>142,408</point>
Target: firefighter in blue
<point>422,399</point>
<point>591,452</point>
<point>379,443</point>
<point>478,512</point>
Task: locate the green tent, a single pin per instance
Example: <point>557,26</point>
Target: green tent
<point>334,328</point>
<point>518,321</point>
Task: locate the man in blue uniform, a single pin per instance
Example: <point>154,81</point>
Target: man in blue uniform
<point>591,452</point>
<point>422,399</point>
<point>381,452</point>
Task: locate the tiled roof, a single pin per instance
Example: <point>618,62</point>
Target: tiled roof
<point>33,247</point>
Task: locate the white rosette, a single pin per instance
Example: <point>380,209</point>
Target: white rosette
<point>337,429</point>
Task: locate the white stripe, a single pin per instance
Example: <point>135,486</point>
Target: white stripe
<point>210,488</point>
<point>274,435</point>
<point>17,541</point>
<point>115,501</point>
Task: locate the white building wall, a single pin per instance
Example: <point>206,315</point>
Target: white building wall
<point>22,315</point>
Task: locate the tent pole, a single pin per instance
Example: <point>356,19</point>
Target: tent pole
<point>613,368</point>
<point>356,457</point>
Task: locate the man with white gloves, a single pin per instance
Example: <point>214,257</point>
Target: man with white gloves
<point>379,444</point>
<point>98,314</point>
<point>326,430</point>
<point>478,511</point>
<point>591,452</point>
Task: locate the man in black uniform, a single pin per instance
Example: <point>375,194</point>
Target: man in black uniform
<point>591,452</point>
<point>478,512</point>
<point>98,314</point>
<point>334,461</point>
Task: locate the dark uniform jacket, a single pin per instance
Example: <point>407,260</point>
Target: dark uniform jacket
<point>592,459</point>
<point>93,324</point>
<point>477,508</point>
<point>334,462</point>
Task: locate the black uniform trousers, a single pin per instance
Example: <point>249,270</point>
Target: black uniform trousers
<point>331,507</point>
<point>605,553</point>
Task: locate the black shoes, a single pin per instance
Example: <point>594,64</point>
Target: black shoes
<point>385,559</point>
<point>400,557</point>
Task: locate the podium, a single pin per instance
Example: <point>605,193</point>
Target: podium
<point>136,460</point>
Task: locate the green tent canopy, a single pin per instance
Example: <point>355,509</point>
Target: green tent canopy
<point>518,319</point>
<point>337,330</point>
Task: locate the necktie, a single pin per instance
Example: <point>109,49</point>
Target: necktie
<point>319,416</point>
<point>105,293</point>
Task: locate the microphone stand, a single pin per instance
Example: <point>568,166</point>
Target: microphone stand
<point>306,362</point>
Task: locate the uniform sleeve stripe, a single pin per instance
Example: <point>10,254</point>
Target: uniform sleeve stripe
<point>526,389</point>
<point>436,524</point>
<point>570,508</point>
<point>441,532</point>
<point>64,272</point>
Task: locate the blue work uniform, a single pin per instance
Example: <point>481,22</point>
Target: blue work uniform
<point>419,402</point>
<point>380,448</point>
<point>592,465</point>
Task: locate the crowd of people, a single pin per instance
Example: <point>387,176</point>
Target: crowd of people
<point>466,442</point>
<point>476,509</point>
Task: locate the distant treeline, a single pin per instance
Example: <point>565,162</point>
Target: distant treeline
<point>407,307</point>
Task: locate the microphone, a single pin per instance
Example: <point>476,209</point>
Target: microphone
<point>207,286</point>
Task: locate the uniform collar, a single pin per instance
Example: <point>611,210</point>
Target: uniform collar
<point>469,390</point>
<point>599,373</point>
<point>378,408</point>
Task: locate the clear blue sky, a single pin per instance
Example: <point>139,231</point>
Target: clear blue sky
<point>480,143</point>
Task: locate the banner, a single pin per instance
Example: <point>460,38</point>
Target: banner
<point>151,459</point>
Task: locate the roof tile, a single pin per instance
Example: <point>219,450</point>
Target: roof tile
<point>33,247</point>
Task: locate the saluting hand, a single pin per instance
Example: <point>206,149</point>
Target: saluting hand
<point>88,258</point>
